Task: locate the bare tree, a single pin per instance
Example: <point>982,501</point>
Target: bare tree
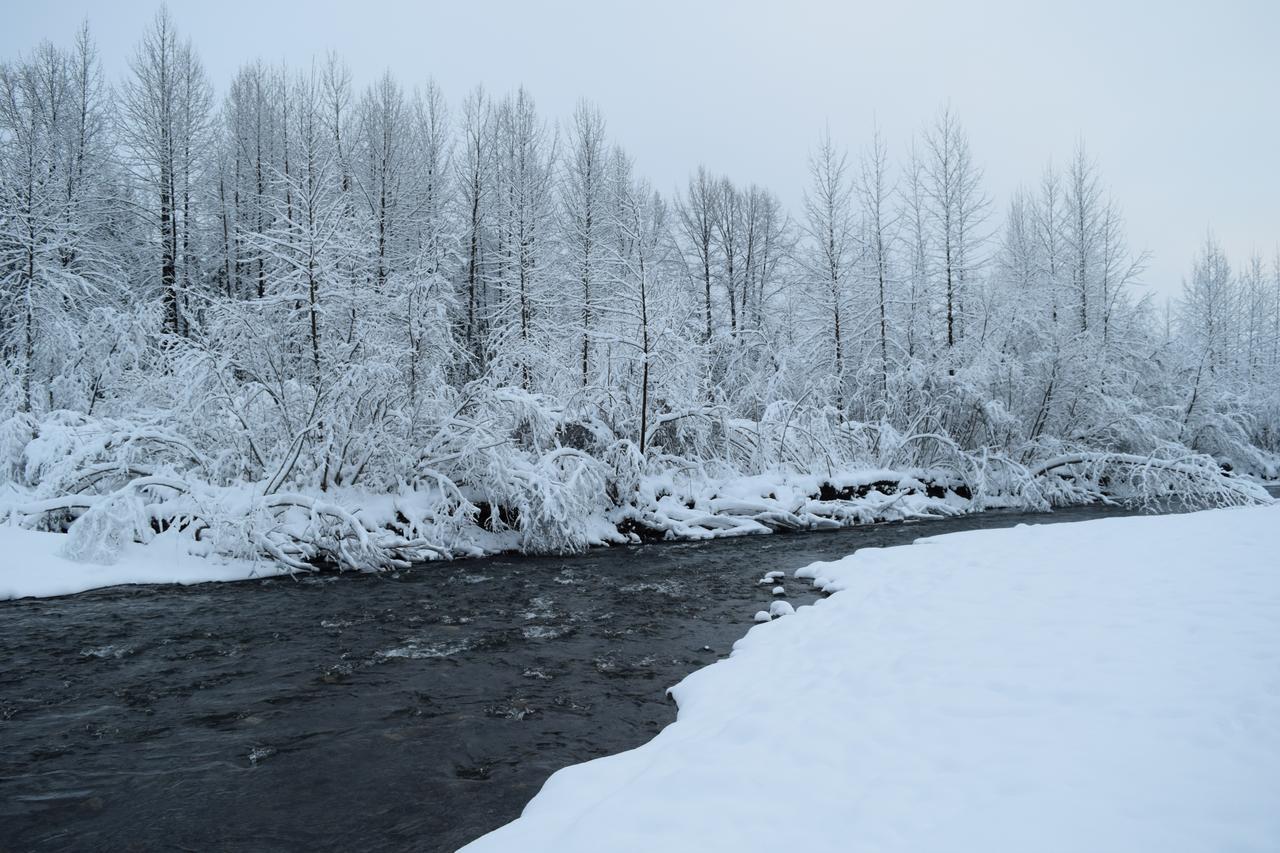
<point>1083,231</point>
<point>382,174</point>
<point>644,307</point>
<point>832,251</point>
<point>696,213</point>
<point>525,153</point>
<point>583,202</point>
<point>1049,213</point>
<point>958,210</point>
<point>728,223</point>
<point>914,216</point>
<point>164,107</point>
<point>879,226</point>
<point>474,180</point>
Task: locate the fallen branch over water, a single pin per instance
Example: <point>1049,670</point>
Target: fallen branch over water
<point>1193,479</point>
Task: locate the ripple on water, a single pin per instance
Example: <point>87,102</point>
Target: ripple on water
<point>258,753</point>
<point>669,588</point>
<point>419,650</point>
<point>107,651</point>
<point>545,632</point>
<point>539,608</point>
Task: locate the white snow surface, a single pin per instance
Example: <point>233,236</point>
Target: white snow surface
<point>1109,685</point>
<point>32,564</point>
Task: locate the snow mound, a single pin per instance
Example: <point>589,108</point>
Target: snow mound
<point>1106,685</point>
<point>35,564</point>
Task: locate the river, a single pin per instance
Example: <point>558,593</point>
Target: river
<point>413,711</point>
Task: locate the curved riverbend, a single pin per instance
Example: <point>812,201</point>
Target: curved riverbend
<point>339,712</point>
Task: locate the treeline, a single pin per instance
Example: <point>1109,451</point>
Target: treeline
<point>321,286</point>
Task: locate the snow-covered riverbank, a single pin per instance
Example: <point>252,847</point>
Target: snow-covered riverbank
<point>1108,685</point>
<point>115,540</point>
<point>32,565</point>
<point>107,483</point>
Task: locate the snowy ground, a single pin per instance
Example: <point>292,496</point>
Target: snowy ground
<point>1106,685</point>
<point>32,564</point>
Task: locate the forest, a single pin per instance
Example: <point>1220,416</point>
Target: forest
<point>284,317</point>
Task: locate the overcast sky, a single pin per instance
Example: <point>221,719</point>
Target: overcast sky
<point>1177,100</point>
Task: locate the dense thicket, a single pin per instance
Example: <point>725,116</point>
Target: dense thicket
<point>294,287</point>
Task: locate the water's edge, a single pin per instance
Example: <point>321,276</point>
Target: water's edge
<point>336,712</point>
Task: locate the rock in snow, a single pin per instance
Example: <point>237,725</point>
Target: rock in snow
<point>1107,685</point>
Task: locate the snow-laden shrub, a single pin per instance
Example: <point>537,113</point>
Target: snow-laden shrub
<point>1224,432</point>
<point>102,532</point>
<point>16,432</point>
<point>73,453</point>
<point>625,466</point>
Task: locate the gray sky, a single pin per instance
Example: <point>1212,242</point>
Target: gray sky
<point>1177,99</point>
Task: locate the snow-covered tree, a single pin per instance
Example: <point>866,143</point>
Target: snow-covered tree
<point>241,321</point>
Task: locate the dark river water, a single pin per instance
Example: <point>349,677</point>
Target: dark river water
<point>359,712</point>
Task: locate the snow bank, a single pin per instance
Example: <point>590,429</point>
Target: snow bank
<point>668,506</point>
<point>1104,685</point>
<point>32,564</point>
<point>507,482</point>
